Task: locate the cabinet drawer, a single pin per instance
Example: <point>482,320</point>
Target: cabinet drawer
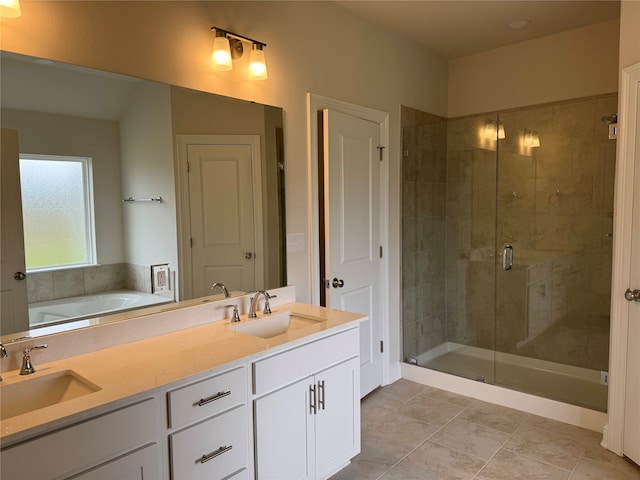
<point>80,446</point>
<point>291,365</point>
<point>213,449</point>
<point>207,397</point>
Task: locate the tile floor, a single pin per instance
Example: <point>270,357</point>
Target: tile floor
<point>411,431</point>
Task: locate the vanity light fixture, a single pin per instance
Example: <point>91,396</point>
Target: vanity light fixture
<point>228,46</point>
<point>10,8</point>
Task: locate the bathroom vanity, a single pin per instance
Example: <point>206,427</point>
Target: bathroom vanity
<point>215,400</point>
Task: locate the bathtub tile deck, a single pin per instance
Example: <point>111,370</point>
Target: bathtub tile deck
<point>411,432</point>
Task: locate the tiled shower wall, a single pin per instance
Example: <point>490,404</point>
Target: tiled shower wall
<point>554,205</point>
<point>71,282</point>
<point>423,230</point>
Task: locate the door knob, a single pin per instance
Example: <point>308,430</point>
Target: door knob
<point>632,295</point>
<point>19,276</point>
<point>248,255</point>
<point>337,283</point>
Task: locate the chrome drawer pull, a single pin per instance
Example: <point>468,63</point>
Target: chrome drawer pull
<point>212,455</point>
<point>213,398</point>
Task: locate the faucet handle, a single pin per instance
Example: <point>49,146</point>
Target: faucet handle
<point>267,306</point>
<point>27,367</point>
<point>236,316</point>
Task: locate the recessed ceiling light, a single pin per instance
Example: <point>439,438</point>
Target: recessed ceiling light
<point>518,24</point>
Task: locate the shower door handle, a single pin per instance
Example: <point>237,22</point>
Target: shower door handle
<point>507,257</point>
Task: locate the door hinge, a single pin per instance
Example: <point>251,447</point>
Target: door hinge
<point>191,242</point>
<point>405,152</point>
<point>188,167</point>
<point>381,150</point>
<point>380,251</point>
<point>381,346</point>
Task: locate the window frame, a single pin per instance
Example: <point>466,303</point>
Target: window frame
<point>89,208</point>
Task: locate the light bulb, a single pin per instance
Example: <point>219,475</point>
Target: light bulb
<point>221,56</point>
<point>9,8</point>
<point>257,65</point>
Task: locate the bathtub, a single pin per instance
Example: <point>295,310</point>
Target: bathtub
<point>75,308</point>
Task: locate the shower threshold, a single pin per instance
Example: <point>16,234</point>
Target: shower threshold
<point>555,381</point>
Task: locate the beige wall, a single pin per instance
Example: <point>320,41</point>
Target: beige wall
<point>573,64</point>
<point>629,33</point>
<point>147,172</point>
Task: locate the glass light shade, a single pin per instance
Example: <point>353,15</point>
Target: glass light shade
<point>10,8</point>
<point>501,133</point>
<point>257,65</point>
<point>528,139</point>
<point>535,139</point>
<point>221,57</point>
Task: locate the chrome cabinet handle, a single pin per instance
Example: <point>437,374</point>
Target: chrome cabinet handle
<point>212,455</point>
<point>312,400</point>
<point>337,283</point>
<point>212,398</point>
<point>507,257</point>
<point>632,295</point>
<point>321,394</point>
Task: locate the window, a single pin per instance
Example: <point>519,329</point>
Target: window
<point>57,211</point>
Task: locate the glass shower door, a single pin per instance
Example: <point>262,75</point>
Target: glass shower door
<point>555,210</point>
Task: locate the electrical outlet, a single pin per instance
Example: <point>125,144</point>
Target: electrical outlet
<point>604,378</point>
<point>295,242</point>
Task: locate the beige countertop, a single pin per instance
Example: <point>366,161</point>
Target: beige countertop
<point>143,367</point>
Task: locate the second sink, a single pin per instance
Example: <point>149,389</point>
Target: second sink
<point>275,324</point>
<point>36,392</point>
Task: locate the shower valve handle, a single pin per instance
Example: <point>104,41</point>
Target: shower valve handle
<point>632,295</point>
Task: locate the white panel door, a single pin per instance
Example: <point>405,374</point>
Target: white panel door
<point>222,213</point>
<point>632,392</point>
<point>352,230</point>
<point>13,286</point>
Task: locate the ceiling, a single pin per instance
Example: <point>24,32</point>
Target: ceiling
<point>456,28</point>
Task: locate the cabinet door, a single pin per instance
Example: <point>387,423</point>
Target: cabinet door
<point>337,423</point>
<point>139,465</point>
<point>283,429</point>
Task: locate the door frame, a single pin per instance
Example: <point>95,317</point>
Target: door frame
<point>182,199</point>
<point>626,160</point>
<point>316,103</point>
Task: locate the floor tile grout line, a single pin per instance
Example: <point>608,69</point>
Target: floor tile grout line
<point>530,457</point>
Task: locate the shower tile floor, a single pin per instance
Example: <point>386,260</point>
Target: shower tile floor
<point>411,431</point>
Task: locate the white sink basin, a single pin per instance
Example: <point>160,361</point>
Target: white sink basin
<point>34,393</point>
<point>274,324</point>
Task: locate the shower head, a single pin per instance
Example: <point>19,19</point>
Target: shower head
<point>613,118</point>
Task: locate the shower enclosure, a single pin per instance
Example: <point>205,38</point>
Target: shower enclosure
<point>507,222</point>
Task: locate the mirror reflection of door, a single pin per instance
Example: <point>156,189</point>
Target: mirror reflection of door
<point>225,213</point>
<point>13,286</point>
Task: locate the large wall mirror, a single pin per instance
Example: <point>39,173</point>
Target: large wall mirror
<point>126,193</point>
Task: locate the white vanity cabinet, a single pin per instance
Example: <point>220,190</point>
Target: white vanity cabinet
<point>119,444</point>
<point>209,428</point>
<point>307,408</point>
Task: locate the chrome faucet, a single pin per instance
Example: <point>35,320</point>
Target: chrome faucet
<point>3,354</point>
<point>27,368</point>
<point>254,303</point>
<point>222,287</point>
